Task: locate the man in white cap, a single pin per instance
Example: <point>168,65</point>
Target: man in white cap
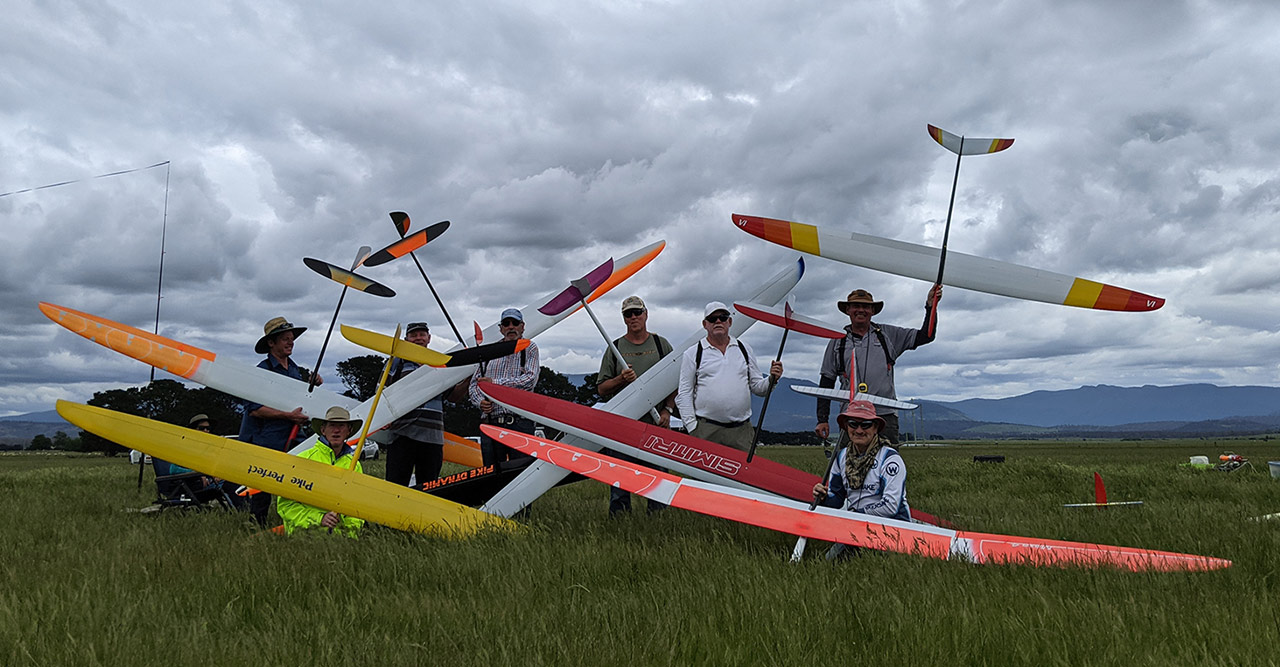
<point>876,348</point>
<point>717,378</point>
<point>642,349</point>
<point>265,426</point>
<point>331,448</point>
<point>519,370</point>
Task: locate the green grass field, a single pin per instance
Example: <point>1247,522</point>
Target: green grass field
<point>85,582</point>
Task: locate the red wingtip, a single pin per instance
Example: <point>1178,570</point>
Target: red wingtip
<point>1099,490</point>
<point>522,343</point>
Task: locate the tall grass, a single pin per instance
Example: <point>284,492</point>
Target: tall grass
<point>85,582</point>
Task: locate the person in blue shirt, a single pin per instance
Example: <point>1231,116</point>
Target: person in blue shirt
<point>265,426</point>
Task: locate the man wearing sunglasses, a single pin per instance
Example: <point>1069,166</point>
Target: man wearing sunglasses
<point>868,476</point>
<point>717,378</point>
<point>876,348</point>
<point>519,370</point>
<point>642,350</point>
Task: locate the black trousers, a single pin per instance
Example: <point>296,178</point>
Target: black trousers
<point>493,451</point>
<point>407,457</point>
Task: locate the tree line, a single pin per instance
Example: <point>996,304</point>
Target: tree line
<point>172,402</point>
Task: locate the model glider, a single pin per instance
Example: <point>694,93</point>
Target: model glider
<point>347,279</point>
<point>421,385</point>
<point>1100,496</point>
<point>245,381</point>
<point>401,221</point>
<point>966,271</point>
<point>636,398</point>
<point>967,145</point>
<point>407,244</point>
<point>327,487</point>
<point>788,321</point>
<point>955,144</point>
<point>842,395</point>
<point>424,356</point>
<point>283,393</point>
<point>693,457</point>
<point>791,321</point>
<point>832,525</point>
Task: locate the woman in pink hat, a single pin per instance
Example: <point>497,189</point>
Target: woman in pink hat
<point>868,476</point>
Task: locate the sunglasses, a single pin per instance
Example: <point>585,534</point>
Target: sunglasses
<point>510,323</point>
<point>717,318</point>
<point>633,312</point>
<point>864,424</point>
<point>203,427</point>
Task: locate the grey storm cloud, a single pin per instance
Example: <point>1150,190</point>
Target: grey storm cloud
<point>554,136</point>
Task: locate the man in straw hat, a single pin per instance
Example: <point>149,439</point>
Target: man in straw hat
<point>876,348</point>
<point>331,448</point>
<point>265,426</point>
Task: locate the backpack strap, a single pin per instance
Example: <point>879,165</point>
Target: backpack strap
<point>889,357</point>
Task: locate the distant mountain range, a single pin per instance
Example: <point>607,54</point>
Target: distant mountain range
<point>1190,410</point>
<point>1102,411</point>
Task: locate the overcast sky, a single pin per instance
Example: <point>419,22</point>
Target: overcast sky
<point>555,135</point>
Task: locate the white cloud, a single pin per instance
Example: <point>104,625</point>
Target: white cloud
<point>555,136</point>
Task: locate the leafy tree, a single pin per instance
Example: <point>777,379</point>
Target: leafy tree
<point>64,442</point>
<point>167,401</point>
<point>555,385</point>
<point>41,442</point>
<point>588,394</point>
<point>361,375</point>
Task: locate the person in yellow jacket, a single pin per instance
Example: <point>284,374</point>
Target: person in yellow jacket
<point>331,448</point>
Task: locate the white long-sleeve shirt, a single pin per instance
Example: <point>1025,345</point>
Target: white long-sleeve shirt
<point>720,387</point>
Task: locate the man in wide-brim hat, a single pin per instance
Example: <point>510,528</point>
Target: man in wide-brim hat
<point>266,426</point>
<point>331,448</point>
<point>875,348</point>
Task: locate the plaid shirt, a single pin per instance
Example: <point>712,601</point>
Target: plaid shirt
<point>508,372</point>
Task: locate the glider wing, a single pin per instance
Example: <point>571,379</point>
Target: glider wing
<point>778,318</point>
<point>327,487</point>
<point>349,278</point>
<point>638,397</point>
<point>843,396</point>
<point>407,244</point>
<point>250,383</point>
<point>834,525</point>
<point>964,271</point>
<point>972,146</point>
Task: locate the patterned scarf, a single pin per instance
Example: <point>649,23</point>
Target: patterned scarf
<point>856,466</point>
